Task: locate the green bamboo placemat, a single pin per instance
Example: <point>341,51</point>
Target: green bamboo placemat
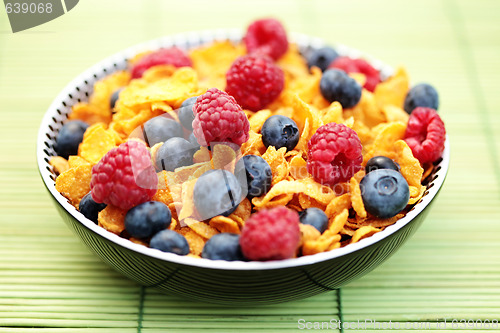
<point>449,270</point>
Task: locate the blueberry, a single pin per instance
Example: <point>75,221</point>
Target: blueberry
<point>170,241</point>
<point>422,94</point>
<point>385,192</point>
<point>224,246</point>
<point>186,115</point>
<point>336,85</point>
<point>315,217</point>
<point>193,140</point>
<point>322,58</point>
<point>259,175</point>
<point>216,192</point>
<point>175,153</point>
<point>70,136</point>
<point>280,131</point>
<point>160,129</point>
<point>146,219</point>
<point>380,162</point>
<point>114,98</point>
<point>89,208</point>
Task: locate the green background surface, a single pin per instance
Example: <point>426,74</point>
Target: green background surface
<point>450,269</point>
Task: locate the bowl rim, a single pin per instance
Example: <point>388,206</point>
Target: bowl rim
<point>440,172</point>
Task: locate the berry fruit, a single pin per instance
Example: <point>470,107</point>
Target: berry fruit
<point>266,36</point>
<point>334,154</point>
<point>385,193</point>
<point>160,129</point>
<point>336,85</point>
<point>218,118</point>
<point>259,175</point>
<point>322,58</point>
<point>350,65</point>
<point>423,95</point>
<point>380,162</point>
<point>280,131</point>
<point>124,177</point>
<point>254,81</point>
<point>315,217</point>
<point>170,241</point>
<point>192,139</point>
<point>114,97</point>
<point>89,208</point>
<point>186,115</point>
<point>174,153</point>
<point>172,56</point>
<point>147,219</point>
<point>425,134</point>
<point>271,234</point>
<point>69,138</point>
<point>216,192</point>
<point>224,246</point>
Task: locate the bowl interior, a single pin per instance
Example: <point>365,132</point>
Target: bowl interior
<point>80,88</point>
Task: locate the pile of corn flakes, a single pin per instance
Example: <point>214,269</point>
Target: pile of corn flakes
<point>378,119</point>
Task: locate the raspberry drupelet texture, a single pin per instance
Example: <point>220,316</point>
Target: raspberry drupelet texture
<point>350,65</point>
<point>124,177</point>
<point>266,36</point>
<point>271,234</point>
<point>218,118</point>
<point>334,154</point>
<point>171,56</point>
<point>425,134</point>
<point>254,81</point>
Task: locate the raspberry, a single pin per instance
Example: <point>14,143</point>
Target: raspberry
<point>255,81</point>
<point>425,134</point>
<point>334,154</point>
<point>271,234</point>
<point>266,36</point>
<point>172,56</point>
<point>124,177</point>
<point>350,65</point>
<point>218,118</point>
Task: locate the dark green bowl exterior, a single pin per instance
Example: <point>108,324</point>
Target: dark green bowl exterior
<point>201,279</point>
<point>242,286</point>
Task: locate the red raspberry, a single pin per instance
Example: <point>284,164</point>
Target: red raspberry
<point>425,134</point>
<point>271,234</point>
<point>172,56</point>
<point>350,65</point>
<point>334,154</point>
<point>218,118</point>
<point>124,177</point>
<point>267,36</point>
<point>255,81</point>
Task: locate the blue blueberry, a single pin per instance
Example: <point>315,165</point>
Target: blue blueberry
<point>422,94</point>
<point>160,129</point>
<point>69,137</point>
<point>174,153</point>
<point>224,246</point>
<point>89,208</point>
<point>315,217</point>
<point>216,192</point>
<point>380,162</point>
<point>170,241</point>
<point>385,193</point>
<point>259,175</point>
<point>280,131</point>
<point>186,115</point>
<point>114,98</point>
<point>322,58</point>
<point>193,140</point>
<point>336,85</point>
<point>148,218</point>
